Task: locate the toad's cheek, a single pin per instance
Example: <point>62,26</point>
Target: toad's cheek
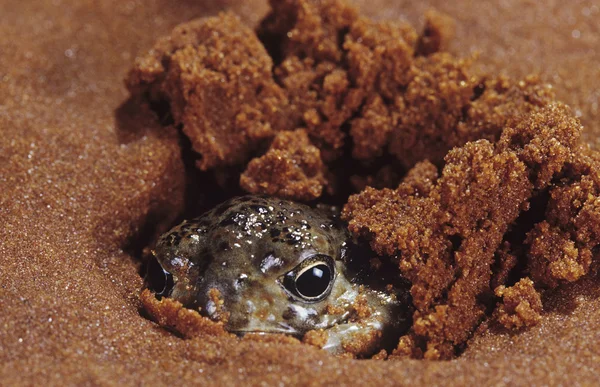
<point>258,315</point>
<point>306,317</point>
<point>336,309</point>
<point>268,314</point>
<point>260,308</point>
<point>295,319</point>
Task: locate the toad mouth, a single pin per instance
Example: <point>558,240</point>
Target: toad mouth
<point>283,330</point>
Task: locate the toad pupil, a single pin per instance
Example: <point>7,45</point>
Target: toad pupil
<point>313,282</point>
<point>279,267</point>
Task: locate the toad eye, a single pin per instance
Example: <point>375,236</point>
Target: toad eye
<point>158,279</point>
<point>314,281</point>
<point>311,280</point>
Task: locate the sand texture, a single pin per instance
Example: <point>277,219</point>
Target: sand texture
<point>90,173</point>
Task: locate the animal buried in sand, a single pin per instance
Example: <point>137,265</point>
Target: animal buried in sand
<point>266,265</point>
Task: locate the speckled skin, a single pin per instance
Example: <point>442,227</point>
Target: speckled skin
<point>232,262</point>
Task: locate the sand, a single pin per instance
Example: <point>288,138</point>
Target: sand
<point>85,170</point>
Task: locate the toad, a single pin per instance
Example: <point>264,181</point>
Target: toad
<point>266,265</point>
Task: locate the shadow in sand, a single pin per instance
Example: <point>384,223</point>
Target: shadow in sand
<point>565,299</point>
<point>136,118</point>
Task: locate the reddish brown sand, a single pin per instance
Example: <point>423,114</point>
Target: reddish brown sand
<point>291,168</point>
<point>459,233</point>
<point>84,170</point>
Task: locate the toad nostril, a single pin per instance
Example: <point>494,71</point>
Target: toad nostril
<point>240,280</point>
<point>289,314</point>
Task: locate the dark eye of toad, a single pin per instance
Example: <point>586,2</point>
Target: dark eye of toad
<point>158,279</point>
<point>311,281</point>
<point>314,281</point>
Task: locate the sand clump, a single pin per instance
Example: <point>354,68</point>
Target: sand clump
<point>320,87</point>
<point>216,77</point>
<point>561,247</point>
<point>520,307</point>
<point>475,203</point>
<point>171,314</point>
<point>291,168</point>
